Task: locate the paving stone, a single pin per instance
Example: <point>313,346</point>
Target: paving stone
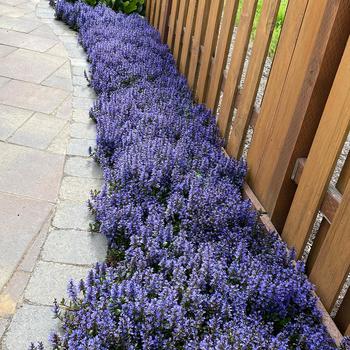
<point>59,144</point>
<point>31,256</point>
<point>64,71</point>
<point>34,97</point>
<point>78,189</point>
<point>25,41</point>
<point>81,70</point>
<point>82,167</point>
<point>18,24</point>
<point>29,65</point>
<point>38,132</point>
<point>82,116</point>
<point>82,102</point>
<point>12,2</point>
<point>12,11</point>
<point>11,295</point>
<point>11,118</point>
<point>58,50</point>
<point>64,111</point>
<point>31,323</point>
<point>58,82</point>
<point>3,326</point>
<point>84,91</point>
<point>21,220</point>
<point>83,131</point>
<point>44,31</point>
<point>74,247</point>
<point>5,50</point>
<point>72,215</point>
<point>3,81</point>
<point>79,81</point>
<point>80,147</point>
<point>29,172</point>
<point>49,281</point>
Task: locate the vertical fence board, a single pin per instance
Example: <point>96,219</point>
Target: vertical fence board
<point>256,65</point>
<point>163,20</point>
<point>192,6</point>
<point>148,6</point>
<point>236,66</point>
<point>344,177</point>
<point>342,319</point>
<point>304,94</point>
<point>224,42</point>
<point>334,257</point>
<point>201,21</point>
<point>172,22</point>
<point>328,142</point>
<point>153,11</point>
<point>209,48</point>
<point>157,13</point>
<point>179,28</point>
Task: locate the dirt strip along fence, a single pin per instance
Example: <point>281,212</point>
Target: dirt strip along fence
<point>295,137</point>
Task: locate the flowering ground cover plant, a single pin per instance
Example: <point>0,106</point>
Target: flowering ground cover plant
<point>189,266</point>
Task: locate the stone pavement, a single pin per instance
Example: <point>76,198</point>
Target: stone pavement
<point>45,170</point>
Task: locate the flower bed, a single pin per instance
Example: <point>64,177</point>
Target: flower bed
<point>188,266</point>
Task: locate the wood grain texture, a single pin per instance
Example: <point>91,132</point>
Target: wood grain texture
<point>172,22</point>
<point>262,40</point>
<point>328,142</point>
<point>342,318</point>
<point>199,30</point>
<point>164,18</point>
<point>190,21</point>
<point>312,69</point>
<point>210,42</point>
<point>179,29</point>
<point>236,66</point>
<point>333,260</point>
<point>220,60</point>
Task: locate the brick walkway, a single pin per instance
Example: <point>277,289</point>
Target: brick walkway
<point>45,172</point>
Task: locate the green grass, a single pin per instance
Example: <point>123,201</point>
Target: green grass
<point>278,25</point>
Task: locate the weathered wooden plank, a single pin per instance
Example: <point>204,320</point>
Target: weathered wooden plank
<point>342,318</point>
<point>288,131</point>
<point>153,11</point>
<point>209,48</point>
<point>333,260</point>
<point>172,22</point>
<point>179,28</point>
<point>199,30</point>
<point>163,20</point>
<point>344,175</point>
<point>220,60</point>
<point>148,7</point>
<point>264,32</point>
<point>236,66</point>
<point>192,7</point>
<point>328,142</point>
<point>157,14</point>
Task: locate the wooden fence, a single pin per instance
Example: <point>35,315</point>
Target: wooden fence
<point>298,131</point>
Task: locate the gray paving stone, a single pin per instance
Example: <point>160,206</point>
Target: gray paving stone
<point>79,81</point>
<point>12,11</point>
<point>5,50</point>
<point>78,189</point>
<point>82,167</point>
<point>11,118</point>
<point>44,31</point>
<point>64,71</point>
<point>83,131</point>
<point>29,65</point>
<point>38,132</point>
<point>59,144</point>
<point>32,173</point>
<point>84,91</point>
<point>3,326</point>
<point>58,82</point>
<point>58,50</point>
<point>82,102</point>
<point>25,41</point>
<point>80,147</point>
<point>49,281</point>
<point>74,247</point>
<point>72,215</point>
<point>82,116</point>
<point>3,81</point>
<point>21,220</point>
<point>64,111</point>
<point>31,323</point>
<point>34,97</point>
<point>18,24</point>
